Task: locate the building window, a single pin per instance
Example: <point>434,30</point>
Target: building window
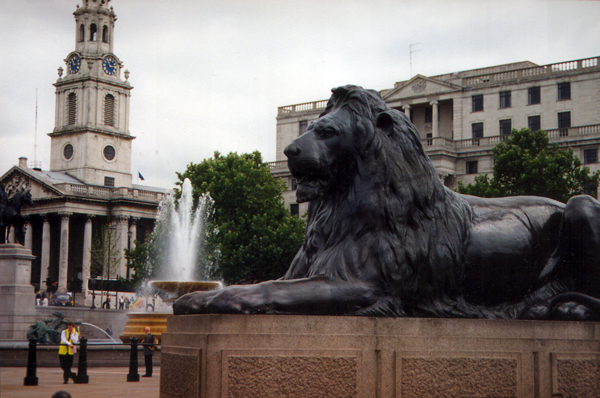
<point>472,167</point>
<point>505,127</point>
<point>294,184</point>
<point>109,152</point>
<point>105,34</point>
<point>564,91</point>
<point>477,129</point>
<point>477,101</point>
<point>81,33</point>
<point>564,122</point>
<point>109,181</point>
<point>428,113</point>
<point>534,123</point>
<point>294,210</point>
<point>504,99</point>
<point>72,104</point>
<point>533,95</point>
<point>68,151</point>
<point>590,156</point>
<point>109,110</point>
<point>93,31</point>
<point>303,125</point>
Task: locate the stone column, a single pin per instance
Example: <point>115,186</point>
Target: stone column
<point>45,254</point>
<point>434,120</point>
<point>87,255</point>
<point>63,260</point>
<point>406,109</point>
<point>122,228</point>
<point>28,235</point>
<point>133,230</point>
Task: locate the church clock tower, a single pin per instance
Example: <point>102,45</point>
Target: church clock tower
<point>91,139</point>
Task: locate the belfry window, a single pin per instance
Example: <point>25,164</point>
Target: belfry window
<point>109,110</point>
<point>81,32</point>
<point>105,34</point>
<point>72,106</point>
<point>93,31</point>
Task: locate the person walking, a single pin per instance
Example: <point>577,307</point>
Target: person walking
<point>121,303</point>
<point>148,348</point>
<point>68,338</point>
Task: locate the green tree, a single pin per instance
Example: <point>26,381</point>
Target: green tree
<point>141,262</point>
<point>105,256</point>
<point>527,164</point>
<point>251,231</point>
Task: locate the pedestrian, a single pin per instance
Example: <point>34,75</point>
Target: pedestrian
<point>61,394</point>
<point>68,338</point>
<point>38,300</point>
<point>127,302</point>
<point>109,330</point>
<point>148,348</point>
<point>121,303</point>
<point>44,300</point>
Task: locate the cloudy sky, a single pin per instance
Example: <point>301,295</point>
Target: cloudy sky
<point>209,75</point>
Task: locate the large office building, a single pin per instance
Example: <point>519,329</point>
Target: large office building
<point>88,185</point>
<point>461,116</point>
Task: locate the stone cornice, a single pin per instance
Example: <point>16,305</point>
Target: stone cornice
<point>78,130</point>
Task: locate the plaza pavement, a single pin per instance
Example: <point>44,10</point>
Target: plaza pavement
<point>104,382</point>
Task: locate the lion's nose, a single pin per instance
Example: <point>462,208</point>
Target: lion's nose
<point>292,150</point>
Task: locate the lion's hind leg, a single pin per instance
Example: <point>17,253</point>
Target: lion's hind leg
<point>579,257</point>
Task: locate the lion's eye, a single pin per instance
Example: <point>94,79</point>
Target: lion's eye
<point>325,133</point>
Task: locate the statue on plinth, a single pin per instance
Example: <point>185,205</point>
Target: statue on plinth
<point>385,237</point>
<point>10,214</point>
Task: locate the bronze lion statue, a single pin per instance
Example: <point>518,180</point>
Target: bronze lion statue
<point>385,237</point>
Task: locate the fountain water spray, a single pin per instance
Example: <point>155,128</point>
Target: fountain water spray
<point>181,234</point>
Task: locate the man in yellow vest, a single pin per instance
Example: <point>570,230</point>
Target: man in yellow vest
<point>68,338</point>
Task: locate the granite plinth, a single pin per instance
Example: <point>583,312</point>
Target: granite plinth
<point>320,356</point>
<point>17,296</point>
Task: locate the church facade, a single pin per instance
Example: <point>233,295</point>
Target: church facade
<point>461,116</point>
<point>88,187</point>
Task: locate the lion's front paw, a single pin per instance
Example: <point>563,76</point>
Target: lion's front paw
<point>231,300</point>
<point>571,311</point>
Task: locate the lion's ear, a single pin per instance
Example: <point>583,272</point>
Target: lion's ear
<point>385,122</point>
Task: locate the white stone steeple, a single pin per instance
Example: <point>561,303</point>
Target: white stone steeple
<point>91,139</point>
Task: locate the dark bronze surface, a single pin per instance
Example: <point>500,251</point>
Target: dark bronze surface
<point>385,237</point>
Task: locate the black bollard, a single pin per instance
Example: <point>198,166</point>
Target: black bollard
<point>133,374</point>
<point>31,378</point>
<point>82,376</point>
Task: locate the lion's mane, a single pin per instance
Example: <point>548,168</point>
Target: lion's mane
<point>389,221</point>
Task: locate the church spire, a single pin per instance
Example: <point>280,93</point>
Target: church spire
<point>91,139</point>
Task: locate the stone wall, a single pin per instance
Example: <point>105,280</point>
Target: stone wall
<point>319,356</point>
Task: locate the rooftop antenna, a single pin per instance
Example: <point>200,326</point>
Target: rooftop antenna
<point>411,51</point>
<point>35,162</point>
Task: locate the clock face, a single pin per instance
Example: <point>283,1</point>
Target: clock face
<point>74,63</point>
<point>109,65</point>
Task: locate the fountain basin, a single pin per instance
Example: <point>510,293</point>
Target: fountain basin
<point>181,288</point>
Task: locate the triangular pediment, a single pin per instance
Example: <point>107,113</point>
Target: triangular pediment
<point>420,86</point>
<point>18,179</point>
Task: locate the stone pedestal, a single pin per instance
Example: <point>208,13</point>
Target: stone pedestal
<point>319,356</point>
<point>17,295</point>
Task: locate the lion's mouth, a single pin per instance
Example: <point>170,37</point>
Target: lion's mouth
<point>310,188</point>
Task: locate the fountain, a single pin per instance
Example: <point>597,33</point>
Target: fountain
<point>180,235</point>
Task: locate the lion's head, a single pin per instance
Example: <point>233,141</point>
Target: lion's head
<point>356,131</point>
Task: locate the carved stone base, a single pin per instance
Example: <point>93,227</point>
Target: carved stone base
<point>317,356</point>
<point>17,296</point>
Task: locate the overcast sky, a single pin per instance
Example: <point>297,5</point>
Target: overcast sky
<point>209,75</point>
